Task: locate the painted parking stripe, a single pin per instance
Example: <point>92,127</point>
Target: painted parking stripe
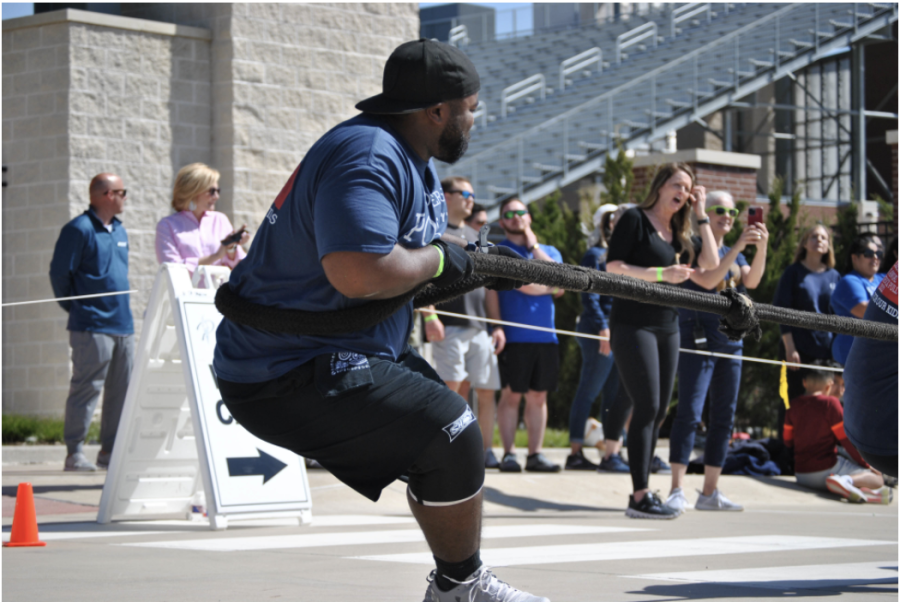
<point>813,576</point>
<point>275,542</point>
<point>626,550</point>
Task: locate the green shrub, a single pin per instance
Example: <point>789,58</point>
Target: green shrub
<point>36,429</point>
<point>552,438</point>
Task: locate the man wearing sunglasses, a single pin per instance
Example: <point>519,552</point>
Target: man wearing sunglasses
<point>852,294</point>
<point>362,218</point>
<point>465,355</point>
<point>91,257</point>
<point>529,364</point>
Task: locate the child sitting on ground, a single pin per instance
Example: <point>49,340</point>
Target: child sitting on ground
<point>814,425</point>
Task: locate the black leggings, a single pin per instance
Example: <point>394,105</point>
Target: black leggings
<point>647,361</point>
<point>615,415</point>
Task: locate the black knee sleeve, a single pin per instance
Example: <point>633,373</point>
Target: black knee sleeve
<point>451,468</point>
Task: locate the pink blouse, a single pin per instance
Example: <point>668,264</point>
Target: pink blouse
<point>180,238</point>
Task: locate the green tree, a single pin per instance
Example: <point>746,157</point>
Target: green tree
<point>557,225</point>
<point>843,234</point>
<point>618,178</point>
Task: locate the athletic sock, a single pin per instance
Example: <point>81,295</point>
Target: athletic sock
<point>458,571</point>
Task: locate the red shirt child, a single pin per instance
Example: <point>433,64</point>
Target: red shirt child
<point>814,425</point>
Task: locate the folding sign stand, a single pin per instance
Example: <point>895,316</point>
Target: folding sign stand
<point>175,430</point>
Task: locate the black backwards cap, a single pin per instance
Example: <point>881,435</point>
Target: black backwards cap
<point>422,74</point>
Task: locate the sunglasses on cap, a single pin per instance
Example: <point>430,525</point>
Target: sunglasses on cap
<point>720,210</point>
<point>512,214</point>
<point>869,254</point>
<point>465,194</point>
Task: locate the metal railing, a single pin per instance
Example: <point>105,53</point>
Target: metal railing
<point>459,35</point>
<point>481,113</point>
<point>535,83</point>
<point>580,62</point>
<point>630,110</point>
<point>636,36</point>
<point>686,12</point>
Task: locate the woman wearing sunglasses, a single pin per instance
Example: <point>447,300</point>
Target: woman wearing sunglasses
<point>851,295</point>
<point>196,234</point>
<point>720,377</point>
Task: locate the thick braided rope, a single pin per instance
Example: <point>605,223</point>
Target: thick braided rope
<point>740,315</point>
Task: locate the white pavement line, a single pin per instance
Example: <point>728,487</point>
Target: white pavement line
<point>60,535</point>
<point>354,520</point>
<point>275,542</point>
<point>813,576</point>
<point>627,550</point>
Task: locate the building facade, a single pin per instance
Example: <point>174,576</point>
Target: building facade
<point>244,87</point>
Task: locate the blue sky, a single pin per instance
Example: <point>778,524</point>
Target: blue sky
<point>11,10</point>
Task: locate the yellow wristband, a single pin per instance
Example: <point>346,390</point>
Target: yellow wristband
<point>659,272</point>
<point>440,269</point>
<point>430,318</point>
<point>554,290</point>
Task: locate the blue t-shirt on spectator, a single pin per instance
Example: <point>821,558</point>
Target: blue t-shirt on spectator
<point>870,375</point>
<point>710,322</point>
<point>595,315</point>
<point>518,307</point>
<point>800,288</point>
<point>852,290</point>
<point>360,188</point>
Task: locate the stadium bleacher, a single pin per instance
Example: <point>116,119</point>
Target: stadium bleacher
<point>638,98</point>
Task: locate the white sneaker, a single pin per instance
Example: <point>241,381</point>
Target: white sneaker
<point>843,486</point>
<point>481,586</point>
<point>677,500</point>
<point>716,501</point>
<point>78,462</point>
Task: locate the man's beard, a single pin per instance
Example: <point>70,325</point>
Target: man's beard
<point>452,144</point>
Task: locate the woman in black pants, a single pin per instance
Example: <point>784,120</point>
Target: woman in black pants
<point>653,242</point>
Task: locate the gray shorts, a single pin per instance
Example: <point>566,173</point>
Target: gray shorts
<point>467,353</point>
<point>816,480</point>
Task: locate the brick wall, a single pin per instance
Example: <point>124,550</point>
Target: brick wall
<point>716,170</point>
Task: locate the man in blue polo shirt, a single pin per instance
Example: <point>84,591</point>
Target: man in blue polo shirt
<point>362,218</point>
<point>529,363</point>
<point>91,257</point>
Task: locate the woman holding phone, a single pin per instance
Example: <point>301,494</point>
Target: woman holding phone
<point>653,242</point>
<point>196,234</point>
<point>719,377</point>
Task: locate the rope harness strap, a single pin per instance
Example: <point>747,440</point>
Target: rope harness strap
<point>739,315</point>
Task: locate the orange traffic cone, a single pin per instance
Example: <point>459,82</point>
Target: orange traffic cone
<point>24,527</point>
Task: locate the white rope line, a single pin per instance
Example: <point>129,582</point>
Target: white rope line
<point>69,298</point>
<point>599,338</point>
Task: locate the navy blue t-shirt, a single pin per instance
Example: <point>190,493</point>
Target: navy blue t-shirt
<point>800,288</point>
<point>516,306</point>
<point>688,317</point>
<point>360,188</point>
<point>870,375</point>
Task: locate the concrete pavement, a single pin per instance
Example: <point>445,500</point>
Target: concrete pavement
<point>563,535</point>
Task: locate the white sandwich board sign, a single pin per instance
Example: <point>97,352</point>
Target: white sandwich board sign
<point>176,437</point>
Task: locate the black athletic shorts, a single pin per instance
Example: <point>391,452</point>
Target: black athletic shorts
<point>364,418</point>
<point>529,367</point>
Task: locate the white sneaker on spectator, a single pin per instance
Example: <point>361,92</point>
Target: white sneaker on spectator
<point>716,501</point>
<point>677,500</point>
<point>843,486</point>
<point>78,462</point>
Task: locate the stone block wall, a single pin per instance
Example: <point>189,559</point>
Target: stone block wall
<point>245,87</point>
<point>86,93</point>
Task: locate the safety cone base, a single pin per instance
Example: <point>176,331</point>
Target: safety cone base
<point>10,544</point>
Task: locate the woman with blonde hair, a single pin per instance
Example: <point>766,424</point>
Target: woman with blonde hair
<point>807,285</point>
<point>653,242</point>
<point>195,234</point>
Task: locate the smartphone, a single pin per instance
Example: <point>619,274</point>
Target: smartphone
<point>236,237</point>
<point>754,215</point>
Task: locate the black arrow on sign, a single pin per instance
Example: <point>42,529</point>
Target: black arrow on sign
<point>265,465</point>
